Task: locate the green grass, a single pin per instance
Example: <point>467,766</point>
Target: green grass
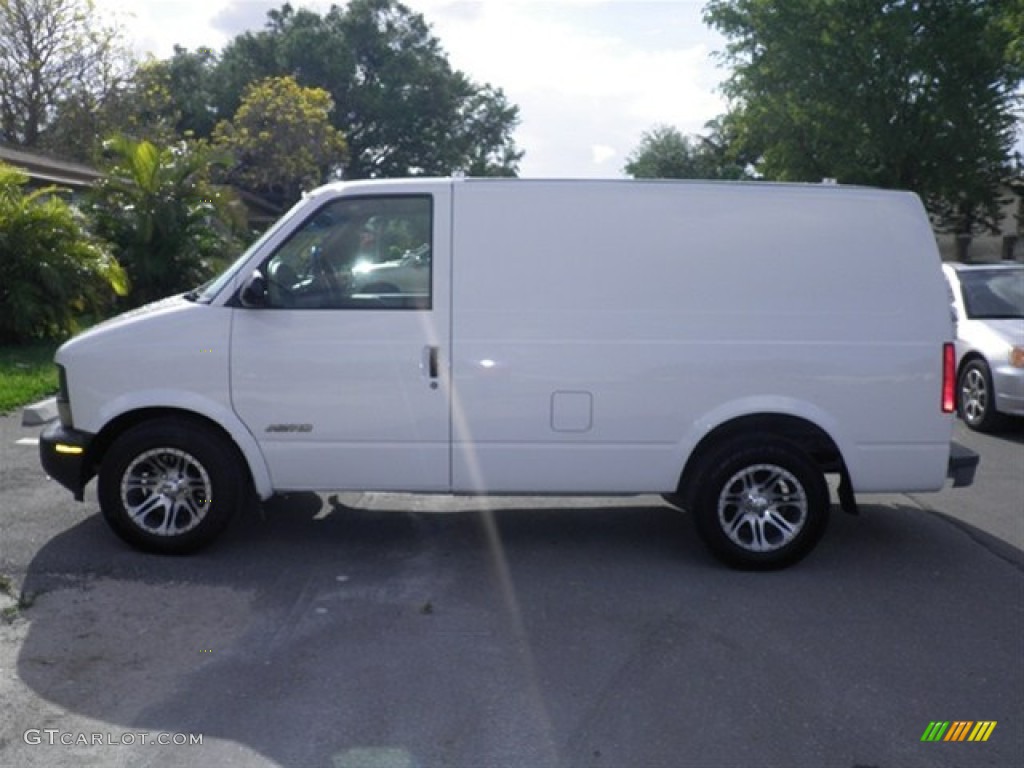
<point>27,374</point>
<point>22,601</point>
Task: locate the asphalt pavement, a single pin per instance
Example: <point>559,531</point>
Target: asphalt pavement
<point>388,631</point>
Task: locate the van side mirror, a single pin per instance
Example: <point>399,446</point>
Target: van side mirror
<point>254,291</point>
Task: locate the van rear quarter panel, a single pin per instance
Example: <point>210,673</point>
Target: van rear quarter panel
<point>671,308</point>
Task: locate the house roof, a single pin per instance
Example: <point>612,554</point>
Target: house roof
<point>50,170</point>
<point>260,209</point>
<point>42,169</point>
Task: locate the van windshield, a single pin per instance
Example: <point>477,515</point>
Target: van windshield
<point>208,291</point>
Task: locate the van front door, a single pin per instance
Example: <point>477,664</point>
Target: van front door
<point>340,375</point>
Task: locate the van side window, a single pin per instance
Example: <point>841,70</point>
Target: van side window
<point>356,253</point>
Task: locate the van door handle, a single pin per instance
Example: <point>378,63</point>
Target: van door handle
<point>430,356</point>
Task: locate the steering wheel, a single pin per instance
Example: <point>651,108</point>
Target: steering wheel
<point>324,276</point>
<point>281,281</point>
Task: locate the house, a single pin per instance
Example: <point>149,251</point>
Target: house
<point>259,211</point>
<point>44,171</point>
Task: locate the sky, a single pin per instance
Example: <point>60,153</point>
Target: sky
<point>589,76</point>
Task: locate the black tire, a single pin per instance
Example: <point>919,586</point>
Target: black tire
<point>170,485</point>
<point>975,397</point>
<point>761,503</point>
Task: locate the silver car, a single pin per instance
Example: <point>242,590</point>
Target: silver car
<point>988,307</point>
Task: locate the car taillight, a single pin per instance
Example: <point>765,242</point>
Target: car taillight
<point>948,378</point>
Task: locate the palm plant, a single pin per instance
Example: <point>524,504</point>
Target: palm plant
<point>171,227</point>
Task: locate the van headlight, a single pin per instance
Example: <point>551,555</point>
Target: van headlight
<point>1017,357</point>
<point>63,401</point>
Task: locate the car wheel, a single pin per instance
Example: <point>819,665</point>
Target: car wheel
<point>975,397</point>
<point>170,485</point>
<point>763,503</point>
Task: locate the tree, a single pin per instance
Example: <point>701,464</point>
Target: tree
<point>160,102</point>
<point>402,108</point>
<point>52,269</point>
<point>52,52</point>
<point>148,109</point>
<point>282,139</point>
<point>1013,25</point>
<point>171,228</point>
<point>889,93</point>
<point>665,153</point>
<point>170,99</point>
<point>481,136</point>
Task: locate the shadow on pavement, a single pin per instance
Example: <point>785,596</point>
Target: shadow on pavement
<point>331,635</point>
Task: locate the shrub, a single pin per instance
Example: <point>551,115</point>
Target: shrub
<point>52,269</point>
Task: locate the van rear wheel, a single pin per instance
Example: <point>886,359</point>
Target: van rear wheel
<point>762,503</point>
<point>170,485</point>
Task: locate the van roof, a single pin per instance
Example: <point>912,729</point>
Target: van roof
<point>960,266</point>
<point>504,180</point>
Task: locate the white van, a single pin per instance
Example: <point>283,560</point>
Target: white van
<point>726,345</point>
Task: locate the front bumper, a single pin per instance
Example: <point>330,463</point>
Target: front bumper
<point>64,455</point>
<point>1008,383</point>
<point>962,464</point>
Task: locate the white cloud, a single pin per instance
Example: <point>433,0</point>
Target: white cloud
<point>585,73</point>
<point>156,26</point>
<point>602,153</point>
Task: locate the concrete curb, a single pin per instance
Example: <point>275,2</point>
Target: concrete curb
<point>39,413</point>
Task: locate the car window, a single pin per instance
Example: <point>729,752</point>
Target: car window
<point>993,293</point>
<point>356,253</point>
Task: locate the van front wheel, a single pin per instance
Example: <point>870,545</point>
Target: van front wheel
<point>761,504</point>
<point>169,485</point>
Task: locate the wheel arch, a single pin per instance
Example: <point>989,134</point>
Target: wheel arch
<point>969,357</point>
<point>809,437</point>
<point>249,455</point>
